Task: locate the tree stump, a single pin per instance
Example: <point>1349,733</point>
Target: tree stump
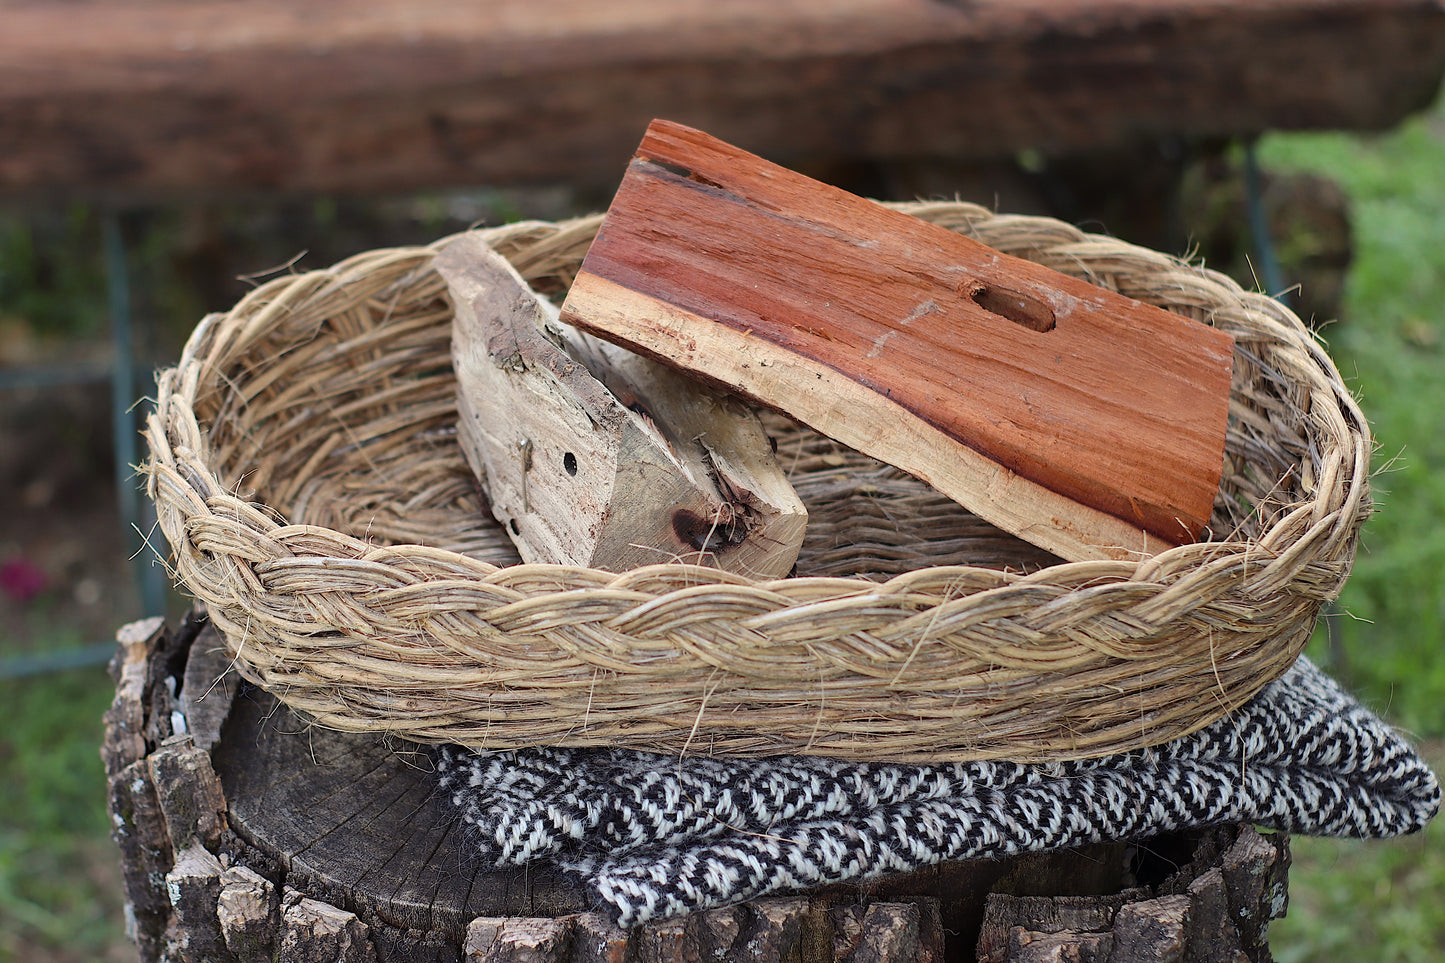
<point>246,834</point>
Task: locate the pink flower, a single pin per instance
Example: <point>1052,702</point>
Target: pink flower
<point>22,579</point>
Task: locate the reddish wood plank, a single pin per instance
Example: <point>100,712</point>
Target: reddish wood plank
<point>850,316</point>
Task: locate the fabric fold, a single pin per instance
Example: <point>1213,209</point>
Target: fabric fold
<point>655,836</point>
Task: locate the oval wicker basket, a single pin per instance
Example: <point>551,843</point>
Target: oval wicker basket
<point>306,472</point>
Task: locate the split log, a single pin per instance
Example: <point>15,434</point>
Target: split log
<point>393,95</point>
<point>593,456</point>
<point>333,846</point>
<point>1085,422</point>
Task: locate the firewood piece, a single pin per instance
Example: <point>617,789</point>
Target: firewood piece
<point>784,928</point>
<point>1085,422</point>
<point>1256,878</point>
<point>592,456</point>
<point>596,939</point>
<point>712,935</point>
<point>880,933</point>
<point>139,830</point>
<point>931,932</point>
<point>125,719</point>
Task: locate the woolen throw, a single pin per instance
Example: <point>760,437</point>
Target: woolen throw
<point>655,836</point>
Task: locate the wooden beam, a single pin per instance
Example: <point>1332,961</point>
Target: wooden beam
<point>1085,422</point>
<point>393,95</point>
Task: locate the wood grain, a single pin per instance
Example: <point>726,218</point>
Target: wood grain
<point>593,456</point>
<point>391,95</point>
<point>988,376</point>
<point>354,817</point>
<point>334,847</point>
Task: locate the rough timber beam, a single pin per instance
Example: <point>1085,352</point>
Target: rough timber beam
<point>139,98</point>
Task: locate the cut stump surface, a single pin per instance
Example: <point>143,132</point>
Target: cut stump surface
<point>246,834</point>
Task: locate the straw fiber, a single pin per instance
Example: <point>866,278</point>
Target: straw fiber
<point>305,469</point>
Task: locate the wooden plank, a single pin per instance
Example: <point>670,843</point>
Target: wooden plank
<point>593,456</point>
<point>383,95</point>
<point>1086,422</point>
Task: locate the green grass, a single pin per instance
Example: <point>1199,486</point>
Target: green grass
<point>1390,347</point>
<point>60,896</point>
<point>1371,900</point>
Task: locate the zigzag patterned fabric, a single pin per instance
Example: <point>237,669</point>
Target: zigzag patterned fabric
<point>654,836</point>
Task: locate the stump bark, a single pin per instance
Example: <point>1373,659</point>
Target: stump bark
<point>246,834</point>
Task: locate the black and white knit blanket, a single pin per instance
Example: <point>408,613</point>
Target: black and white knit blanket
<point>655,836</point>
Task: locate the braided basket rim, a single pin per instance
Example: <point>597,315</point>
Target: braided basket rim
<point>1073,660</point>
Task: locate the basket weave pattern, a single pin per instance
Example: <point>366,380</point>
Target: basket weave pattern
<point>305,470</point>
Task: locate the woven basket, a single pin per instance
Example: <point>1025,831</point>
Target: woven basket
<point>305,469</point>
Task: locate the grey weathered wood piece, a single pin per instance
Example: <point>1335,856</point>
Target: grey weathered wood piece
<point>595,457</point>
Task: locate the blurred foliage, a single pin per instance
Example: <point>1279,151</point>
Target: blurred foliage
<point>60,894</point>
<point>186,260</point>
<point>1370,900</point>
<point>51,275</point>
<point>1389,349</point>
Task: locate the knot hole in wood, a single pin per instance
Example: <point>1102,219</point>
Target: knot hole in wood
<point>710,535</point>
<point>1021,309</point>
